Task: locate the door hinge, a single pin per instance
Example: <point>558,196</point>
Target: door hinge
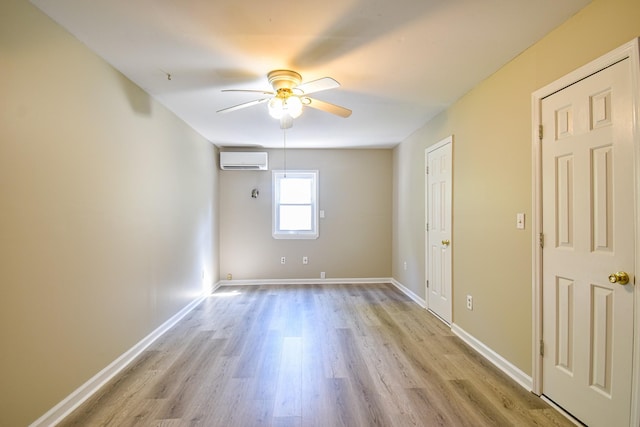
<point>541,240</point>
<point>427,283</point>
<point>426,170</point>
<point>426,227</point>
<point>540,132</point>
<point>541,348</point>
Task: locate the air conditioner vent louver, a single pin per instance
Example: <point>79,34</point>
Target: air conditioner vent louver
<point>244,160</point>
<point>242,167</point>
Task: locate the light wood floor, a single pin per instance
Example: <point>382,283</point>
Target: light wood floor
<point>330,355</point>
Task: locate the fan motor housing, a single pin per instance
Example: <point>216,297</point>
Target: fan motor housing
<point>279,79</point>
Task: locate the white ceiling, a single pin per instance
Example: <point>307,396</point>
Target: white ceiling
<point>399,62</point>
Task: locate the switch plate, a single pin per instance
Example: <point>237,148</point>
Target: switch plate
<point>520,221</point>
<point>305,260</point>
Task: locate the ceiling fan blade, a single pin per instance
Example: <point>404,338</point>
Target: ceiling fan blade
<point>243,105</point>
<point>265,92</point>
<point>327,107</point>
<point>324,83</point>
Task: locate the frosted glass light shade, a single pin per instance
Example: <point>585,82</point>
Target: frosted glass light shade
<point>275,107</point>
<point>294,106</point>
<point>291,105</point>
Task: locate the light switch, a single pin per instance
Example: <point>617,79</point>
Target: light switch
<point>321,213</point>
<point>520,221</point>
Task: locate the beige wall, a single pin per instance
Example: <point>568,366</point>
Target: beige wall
<point>355,235</point>
<point>492,180</point>
<point>107,214</point>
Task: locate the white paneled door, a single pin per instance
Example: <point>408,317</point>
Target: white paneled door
<point>588,231</point>
<point>438,160</point>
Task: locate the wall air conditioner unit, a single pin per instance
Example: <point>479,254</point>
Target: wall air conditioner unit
<point>244,160</point>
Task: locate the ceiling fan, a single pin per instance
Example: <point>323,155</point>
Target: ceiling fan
<point>289,95</point>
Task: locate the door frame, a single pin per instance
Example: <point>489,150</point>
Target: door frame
<point>427,151</point>
<point>629,50</point>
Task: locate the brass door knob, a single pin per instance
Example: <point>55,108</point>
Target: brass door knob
<point>445,242</point>
<point>619,277</point>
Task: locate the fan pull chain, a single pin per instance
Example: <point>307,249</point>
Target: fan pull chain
<point>284,138</point>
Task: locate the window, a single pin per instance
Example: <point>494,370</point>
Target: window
<point>295,206</point>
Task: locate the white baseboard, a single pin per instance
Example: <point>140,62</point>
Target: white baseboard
<point>408,292</point>
<point>86,390</point>
<point>500,362</point>
<point>216,286</point>
<point>344,281</point>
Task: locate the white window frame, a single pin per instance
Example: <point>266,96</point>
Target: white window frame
<point>278,175</point>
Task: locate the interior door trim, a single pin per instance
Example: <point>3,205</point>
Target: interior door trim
<point>629,50</point>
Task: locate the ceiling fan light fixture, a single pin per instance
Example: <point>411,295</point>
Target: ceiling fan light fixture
<point>275,107</point>
<point>291,105</point>
<point>290,95</point>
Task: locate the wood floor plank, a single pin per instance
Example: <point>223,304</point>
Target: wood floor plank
<point>315,356</point>
<point>268,367</point>
<point>428,408</point>
<point>289,390</point>
<point>484,412</point>
<point>361,382</point>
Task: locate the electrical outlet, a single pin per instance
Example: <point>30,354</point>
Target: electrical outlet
<point>305,260</point>
<point>469,302</point>
<point>283,260</point>
<point>405,265</point>
<point>322,276</point>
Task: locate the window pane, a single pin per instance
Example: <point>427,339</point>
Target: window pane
<point>295,191</point>
<point>295,209</point>
<point>295,218</point>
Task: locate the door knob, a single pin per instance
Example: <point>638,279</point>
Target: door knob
<point>619,277</point>
<point>445,242</point>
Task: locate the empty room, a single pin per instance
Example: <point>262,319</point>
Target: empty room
<point>357,213</point>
